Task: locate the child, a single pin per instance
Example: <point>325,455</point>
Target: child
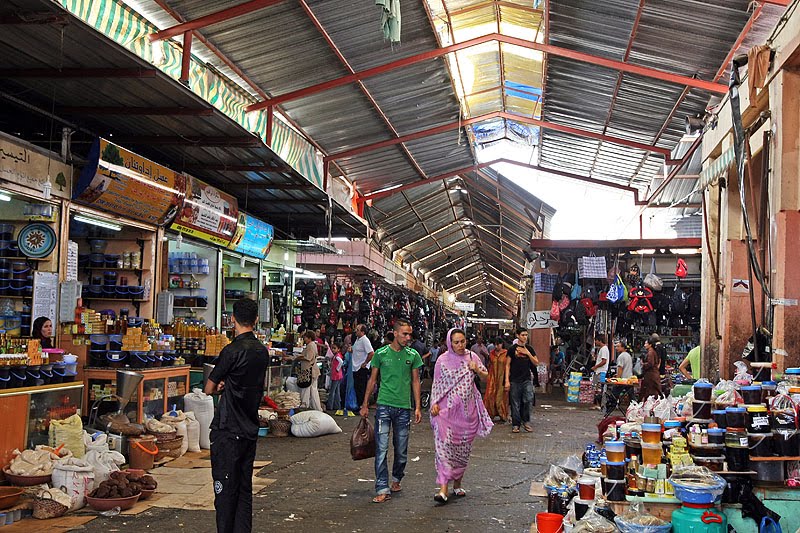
<point>337,376</point>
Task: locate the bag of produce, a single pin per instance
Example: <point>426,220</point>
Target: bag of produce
<point>178,421</point>
<point>75,477</point>
<point>638,520</point>
<point>202,405</point>
<point>68,432</point>
<point>192,432</point>
<point>102,460</point>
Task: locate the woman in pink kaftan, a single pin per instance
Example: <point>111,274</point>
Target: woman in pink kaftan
<point>458,414</point>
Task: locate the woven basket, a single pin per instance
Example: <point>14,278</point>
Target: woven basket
<point>46,507</point>
<point>169,445</point>
<point>280,427</point>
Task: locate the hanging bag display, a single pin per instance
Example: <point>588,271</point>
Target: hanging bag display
<point>575,294</point>
<point>555,310</point>
<point>592,267</point>
<point>544,282</point>
<point>589,307</point>
<point>616,291</point>
<point>681,269</point>
<point>651,280</point>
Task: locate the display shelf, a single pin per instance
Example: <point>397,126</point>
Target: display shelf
<point>101,299</point>
<point>28,258</point>
<point>785,458</point>
<point>161,375</point>
<point>118,269</point>
<point>189,307</point>
<point>186,274</point>
<point>241,278</point>
<point>16,297</point>
<point>40,388</point>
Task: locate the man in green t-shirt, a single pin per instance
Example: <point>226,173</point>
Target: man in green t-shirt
<point>692,361</point>
<point>399,370</point>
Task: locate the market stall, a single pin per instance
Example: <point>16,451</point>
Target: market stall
<point>729,449</point>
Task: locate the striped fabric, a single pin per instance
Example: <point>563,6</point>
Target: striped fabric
<point>129,29</point>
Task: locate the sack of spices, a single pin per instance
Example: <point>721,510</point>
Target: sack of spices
<point>362,441</point>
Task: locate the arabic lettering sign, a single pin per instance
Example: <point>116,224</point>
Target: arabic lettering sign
<point>539,320</point>
<point>464,306</point>
<point>207,213</point>
<point>28,167</point>
<point>253,237</point>
<point>127,184</point>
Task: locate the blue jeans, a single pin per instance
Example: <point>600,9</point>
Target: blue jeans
<point>335,395</point>
<point>521,399</point>
<point>399,421</point>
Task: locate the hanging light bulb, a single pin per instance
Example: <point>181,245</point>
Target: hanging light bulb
<point>178,241</point>
<point>241,262</point>
<point>286,255</point>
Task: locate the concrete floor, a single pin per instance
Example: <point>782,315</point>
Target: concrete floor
<point>319,488</point>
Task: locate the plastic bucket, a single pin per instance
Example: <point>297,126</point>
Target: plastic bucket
<point>115,342</point>
<point>702,391</point>
<point>549,523</point>
<point>142,451</point>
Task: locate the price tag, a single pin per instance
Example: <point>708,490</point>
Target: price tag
<point>743,442</point>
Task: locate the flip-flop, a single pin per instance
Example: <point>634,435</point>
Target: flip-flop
<point>398,489</point>
<point>381,498</point>
<point>528,428</point>
<point>515,429</point>
<point>460,492</point>
<point>440,497</point>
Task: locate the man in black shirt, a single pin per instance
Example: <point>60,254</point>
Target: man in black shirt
<point>521,378</point>
<point>239,377</point>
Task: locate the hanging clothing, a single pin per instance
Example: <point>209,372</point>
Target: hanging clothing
<point>496,398</point>
<point>462,414</point>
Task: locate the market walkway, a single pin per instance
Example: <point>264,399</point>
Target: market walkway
<point>319,488</point>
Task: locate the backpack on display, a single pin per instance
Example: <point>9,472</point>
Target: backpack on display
<point>555,310</point>
<point>679,301</point>
<point>695,304</point>
<point>558,288</point>
<point>588,306</point>
<point>681,268</point>
<point>575,294</point>
<point>590,291</point>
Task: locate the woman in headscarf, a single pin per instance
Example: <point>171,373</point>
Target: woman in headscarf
<point>496,399</point>
<point>43,330</point>
<point>651,379</point>
<point>457,412</point>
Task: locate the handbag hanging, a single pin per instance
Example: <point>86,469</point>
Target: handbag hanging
<point>592,267</point>
<point>304,378</point>
<point>555,311</point>
<point>652,280</point>
<point>575,294</point>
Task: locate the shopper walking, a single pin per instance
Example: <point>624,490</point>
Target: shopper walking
<point>457,412</point>
<point>398,366</point>
<point>496,397</point>
<point>362,355</point>
<point>337,377</point>
<point>520,379</point>
<point>239,376</point>
<point>600,368</point>
<point>309,396</point>
<point>651,380</point>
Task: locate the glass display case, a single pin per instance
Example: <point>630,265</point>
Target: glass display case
<point>51,404</point>
<point>276,378</point>
<point>160,389</point>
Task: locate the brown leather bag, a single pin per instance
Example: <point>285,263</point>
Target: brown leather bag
<point>362,441</point>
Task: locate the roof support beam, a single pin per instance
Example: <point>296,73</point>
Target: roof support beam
<point>541,47</point>
<point>240,168</point>
<point>213,18</point>
<point>259,186</point>
<point>139,111</point>
<point>65,73</point>
<point>33,17</point>
<point>587,179</point>
<point>179,140</point>
<point>489,116</point>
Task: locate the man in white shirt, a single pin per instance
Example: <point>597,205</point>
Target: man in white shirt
<point>600,365</point>
<point>624,361</point>
<point>362,355</point>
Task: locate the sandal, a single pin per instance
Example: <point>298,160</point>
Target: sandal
<point>380,498</point>
<point>528,428</point>
<point>515,429</point>
<point>396,487</point>
<point>440,497</point>
<point>459,492</point>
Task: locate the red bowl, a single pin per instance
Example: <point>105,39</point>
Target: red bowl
<point>106,504</point>
<point>26,481</point>
<point>146,494</point>
<point>9,496</point>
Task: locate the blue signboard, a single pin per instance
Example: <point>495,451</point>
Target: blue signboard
<point>253,237</point>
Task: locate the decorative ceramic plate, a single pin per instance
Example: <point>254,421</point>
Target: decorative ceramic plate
<point>36,240</point>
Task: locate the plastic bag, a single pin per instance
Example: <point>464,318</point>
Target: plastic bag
<point>362,441</point>
<point>663,409</point>
<point>75,477</point>
<point>178,421</point>
<point>742,374</point>
<point>572,463</point>
<point>202,405</point>
<point>635,412</point>
<point>192,432</point>
<point>638,520</point>
<point>102,460</point>
<point>558,480</point>
<point>593,523</point>
<point>68,432</point>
